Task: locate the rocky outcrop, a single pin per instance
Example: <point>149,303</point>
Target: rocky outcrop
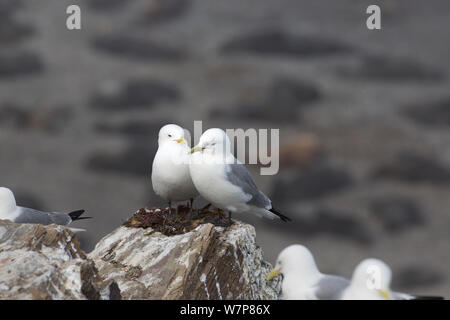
<point>44,262</point>
<point>206,262</point>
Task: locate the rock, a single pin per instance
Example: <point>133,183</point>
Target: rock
<point>157,254</point>
<point>51,120</point>
<point>44,262</point>
<point>134,160</point>
<point>391,68</point>
<point>107,5</point>
<point>397,213</point>
<point>301,151</point>
<point>340,225</point>
<point>432,113</point>
<point>12,31</point>
<point>284,99</point>
<point>134,94</point>
<point>206,263</point>
<point>17,64</point>
<point>415,276</point>
<point>328,222</point>
<point>134,48</point>
<point>287,93</point>
<point>278,42</point>
<point>133,128</point>
<point>9,7</point>
<point>158,11</point>
<point>313,182</point>
<point>413,167</point>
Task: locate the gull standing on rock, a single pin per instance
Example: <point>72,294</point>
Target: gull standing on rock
<point>171,179</point>
<point>225,182</point>
<point>10,211</point>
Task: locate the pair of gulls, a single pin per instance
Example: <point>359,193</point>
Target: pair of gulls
<point>178,174</point>
<point>302,280</point>
<point>209,169</point>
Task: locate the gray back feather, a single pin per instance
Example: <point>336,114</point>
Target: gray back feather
<point>34,216</point>
<point>239,176</point>
<point>331,287</point>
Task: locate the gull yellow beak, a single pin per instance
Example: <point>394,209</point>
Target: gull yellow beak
<point>273,274</point>
<point>182,140</point>
<point>385,294</point>
<point>196,149</point>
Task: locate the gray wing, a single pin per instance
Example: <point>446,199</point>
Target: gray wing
<point>27,215</point>
<point>331,287</point>
<point>238,175</point>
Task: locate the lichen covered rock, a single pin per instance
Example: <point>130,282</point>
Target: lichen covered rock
<point>44,262</point>
<point>192,259</point>
<point>209,262</point>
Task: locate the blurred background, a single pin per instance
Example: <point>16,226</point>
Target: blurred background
<point>364,116</point>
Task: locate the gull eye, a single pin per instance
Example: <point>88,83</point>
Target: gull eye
<point>170,136</point>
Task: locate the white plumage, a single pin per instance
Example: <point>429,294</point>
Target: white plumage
<point>225,182</point>
<point>9,210</point>
<point>302,280</point>
<point>171,179</point>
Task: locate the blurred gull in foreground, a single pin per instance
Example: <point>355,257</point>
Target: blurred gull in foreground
<point>302,280</point>
<point>225,182</point>
<point>371,280</point>
<point>10,211</point>
<point>171,179</point>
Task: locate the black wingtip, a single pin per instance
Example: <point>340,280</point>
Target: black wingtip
<point>75,215</point>
<point>280,215</point>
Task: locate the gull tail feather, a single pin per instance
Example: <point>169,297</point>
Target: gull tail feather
<point>280,215</point>
<point>76,230</point>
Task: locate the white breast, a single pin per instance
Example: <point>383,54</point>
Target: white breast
<point>210,181</point>
<point>10,215</point>
<point>171,178</point>
<point>352,293</point>
<point>297,289</point>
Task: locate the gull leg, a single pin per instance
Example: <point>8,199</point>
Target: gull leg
<point>229,219</point>
<point>170,206</point>
<point>191,209</point>
<point>206,207</point>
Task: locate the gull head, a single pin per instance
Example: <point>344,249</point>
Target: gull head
<point>294,260</point>
<point>213,141</point>
<point>171,133</point>
<point>374,277</point>
<point>7,201</point>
